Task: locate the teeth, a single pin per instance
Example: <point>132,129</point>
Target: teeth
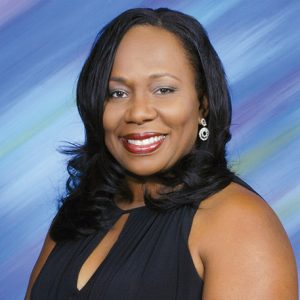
<point>146,141</point>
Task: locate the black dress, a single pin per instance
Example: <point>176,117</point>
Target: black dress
<point>149,261</point>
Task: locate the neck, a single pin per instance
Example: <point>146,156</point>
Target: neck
<point>137,187</point>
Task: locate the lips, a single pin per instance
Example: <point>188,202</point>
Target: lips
<point>143,143</point>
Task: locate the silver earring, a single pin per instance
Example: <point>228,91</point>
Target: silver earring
<point>203,132</point>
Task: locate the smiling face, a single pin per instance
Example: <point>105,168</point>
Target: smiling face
<point>152,114</point>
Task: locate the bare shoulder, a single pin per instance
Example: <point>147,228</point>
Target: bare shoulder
<point>244,248</point>
<point>48,246</point>
<point>237,210</point>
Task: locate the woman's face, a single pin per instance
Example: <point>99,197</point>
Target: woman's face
<point>152,114</point>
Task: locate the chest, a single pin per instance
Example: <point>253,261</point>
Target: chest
<point>143,256</point>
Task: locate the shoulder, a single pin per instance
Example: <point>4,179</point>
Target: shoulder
<point>242,243</point>
<point>47,247</point>
<point>236,205</point>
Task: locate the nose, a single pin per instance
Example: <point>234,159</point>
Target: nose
<point>140,110</point>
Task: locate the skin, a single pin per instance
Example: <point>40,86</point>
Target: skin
<point>151,93</point>
<point>143,99</point>
<point>237,243</point>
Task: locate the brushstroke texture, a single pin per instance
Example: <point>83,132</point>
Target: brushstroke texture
<point>43,46</point>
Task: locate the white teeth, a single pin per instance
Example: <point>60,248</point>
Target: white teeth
<point>146,141</point>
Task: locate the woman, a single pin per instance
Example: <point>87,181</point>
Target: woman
<point>152,210</point>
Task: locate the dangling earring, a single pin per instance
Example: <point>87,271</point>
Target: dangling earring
<point>203,132</point>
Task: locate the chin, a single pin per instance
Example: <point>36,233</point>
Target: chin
<point>143,171</point>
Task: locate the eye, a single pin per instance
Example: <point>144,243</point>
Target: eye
<point>117,94</point>
<point>165,90</point>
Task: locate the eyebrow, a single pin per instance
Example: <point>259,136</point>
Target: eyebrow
<point>152,76</point>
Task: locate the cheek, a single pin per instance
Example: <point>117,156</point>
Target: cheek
<point>184,127</point>
<point>110,125</point>
<point>183,116</point>
<point>105,118</point>
<point>110,119</point>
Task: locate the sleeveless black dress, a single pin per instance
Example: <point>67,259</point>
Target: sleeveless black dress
<point>149,261</point>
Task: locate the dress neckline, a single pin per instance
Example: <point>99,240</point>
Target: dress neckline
<point>129,210</point>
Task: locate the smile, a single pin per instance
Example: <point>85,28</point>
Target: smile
<point>142,144</point>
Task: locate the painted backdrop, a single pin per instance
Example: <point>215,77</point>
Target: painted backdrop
<point>42,47</point>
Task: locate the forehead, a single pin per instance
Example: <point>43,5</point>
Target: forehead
<point>149,48</point>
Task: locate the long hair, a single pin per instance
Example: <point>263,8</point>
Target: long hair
<point>96,178</point>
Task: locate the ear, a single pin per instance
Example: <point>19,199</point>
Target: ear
<point>203,108</point>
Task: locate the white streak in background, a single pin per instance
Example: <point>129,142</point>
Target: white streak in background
<point>35,160</point>
<point>208,11</point>
<point>10,9</point>
<point>33,125</point>
<point>55,93</point>
<point>260,147</point>
<point>32,135</point>
<point>246,50</point>
<point>257,167</point>
<point>264,113</point>
<point>44,165</point>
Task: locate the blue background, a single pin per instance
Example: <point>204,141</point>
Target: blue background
<point>43,46</point>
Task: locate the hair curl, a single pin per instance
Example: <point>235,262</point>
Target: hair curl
<point>96,178</point>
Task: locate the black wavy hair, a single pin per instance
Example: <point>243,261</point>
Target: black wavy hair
<point>96,178</point>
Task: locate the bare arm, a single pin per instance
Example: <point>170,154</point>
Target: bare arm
<point>46,250</point>
<point>247,254</point>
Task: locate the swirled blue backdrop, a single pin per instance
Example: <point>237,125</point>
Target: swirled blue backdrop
<point>43,46</point>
